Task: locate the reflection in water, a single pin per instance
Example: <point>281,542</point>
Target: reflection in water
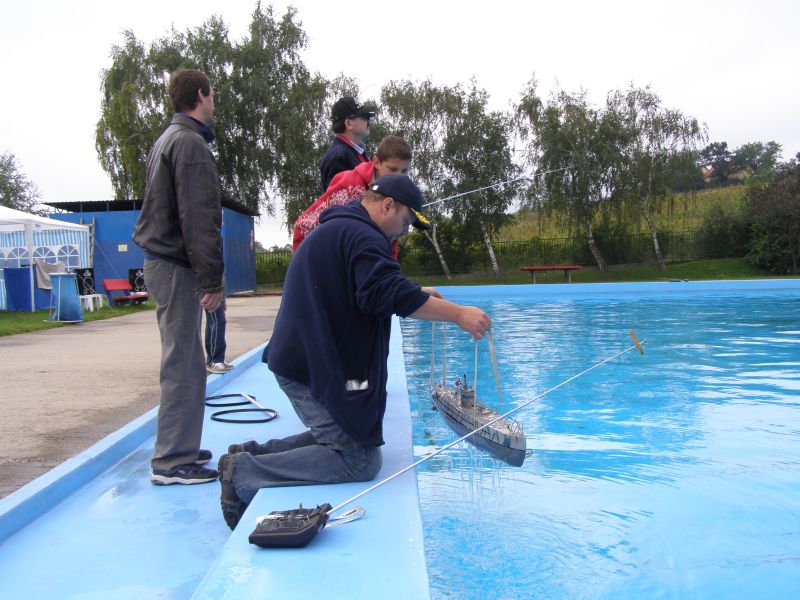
<point>671,474</point>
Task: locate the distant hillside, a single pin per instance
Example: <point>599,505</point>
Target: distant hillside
<point>677,212</point>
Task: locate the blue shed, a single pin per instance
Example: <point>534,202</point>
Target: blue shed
<point>113,253</point>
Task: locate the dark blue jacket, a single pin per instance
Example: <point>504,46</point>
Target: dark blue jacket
<point>341,289</point>
<point>339,157</point>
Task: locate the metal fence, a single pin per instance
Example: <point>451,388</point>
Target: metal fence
<point>617,249</point>
<point>271,267</point>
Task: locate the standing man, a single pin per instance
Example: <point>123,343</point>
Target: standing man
<point>330,346</point>
<point>392,157</point>
<point>179,231</point>
<point>351,126</point>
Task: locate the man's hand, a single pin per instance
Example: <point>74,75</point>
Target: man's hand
<point>432,292</point>
<point>211,300</point>
<point>473,320</point>
<point>469,318</point>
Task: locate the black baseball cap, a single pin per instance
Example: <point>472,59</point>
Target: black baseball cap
<point>348,108</point>
<point>401,189</point>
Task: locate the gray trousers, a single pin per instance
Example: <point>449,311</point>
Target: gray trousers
<point>183,365</point>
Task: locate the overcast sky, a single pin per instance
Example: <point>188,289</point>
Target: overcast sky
<point>733,64</point>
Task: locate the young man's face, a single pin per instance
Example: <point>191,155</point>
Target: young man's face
<point>390,166</point>
<point>205,104</point>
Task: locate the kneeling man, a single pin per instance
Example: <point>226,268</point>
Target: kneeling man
<point>330,346</point>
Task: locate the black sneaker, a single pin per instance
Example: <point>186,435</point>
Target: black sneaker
<point>252,447</point>
<point>232,506</point>
<point>183,474</point>
<point>203,456</point>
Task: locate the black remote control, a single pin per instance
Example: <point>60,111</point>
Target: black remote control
<point>293,528</point>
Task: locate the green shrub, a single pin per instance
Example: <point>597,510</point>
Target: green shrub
<point>724,231</point>
<point>774,209</point>
<point>767,251</point>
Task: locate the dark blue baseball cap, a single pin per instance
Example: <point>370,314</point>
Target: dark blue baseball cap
<point>401,189</point>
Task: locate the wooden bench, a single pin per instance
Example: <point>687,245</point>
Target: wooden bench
<point>123,285</point>
<point>566,268</point>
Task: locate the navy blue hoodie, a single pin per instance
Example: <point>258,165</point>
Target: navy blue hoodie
<point>334,323</point>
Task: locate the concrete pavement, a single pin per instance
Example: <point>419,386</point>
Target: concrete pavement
<point>63,389</point>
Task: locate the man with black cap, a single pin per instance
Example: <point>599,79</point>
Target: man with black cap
<point>351,126</point>
<point>330,346</point>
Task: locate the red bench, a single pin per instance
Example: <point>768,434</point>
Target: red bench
<point>566,268</point>
<point>123,285</point>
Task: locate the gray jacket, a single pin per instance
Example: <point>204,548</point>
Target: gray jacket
<point>181,215</point>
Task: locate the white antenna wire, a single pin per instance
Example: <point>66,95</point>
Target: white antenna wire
<point>433,350</point>
<point>637,345</point>
<point>493,356</point>
<point>494,185</point>
<point>475,374</point>
<point>444,355</point>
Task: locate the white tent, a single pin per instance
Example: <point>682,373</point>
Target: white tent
<point>18,222</point>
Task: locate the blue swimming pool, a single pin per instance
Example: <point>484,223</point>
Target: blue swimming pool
<point>674,474</point>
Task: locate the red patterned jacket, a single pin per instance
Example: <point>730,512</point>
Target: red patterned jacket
<point>345,186</point>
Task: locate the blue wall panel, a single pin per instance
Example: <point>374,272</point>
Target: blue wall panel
<point>113,231</point>
<point>114,251</point>
<point>239,250</point>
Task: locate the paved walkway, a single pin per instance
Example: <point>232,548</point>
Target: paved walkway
<point>62,390</point>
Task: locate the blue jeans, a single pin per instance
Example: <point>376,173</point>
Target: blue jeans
<point>323,454</point>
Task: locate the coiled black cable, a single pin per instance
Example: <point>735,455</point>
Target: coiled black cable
<point>270,413</point>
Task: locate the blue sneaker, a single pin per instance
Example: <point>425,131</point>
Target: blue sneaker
<point>183,474</point>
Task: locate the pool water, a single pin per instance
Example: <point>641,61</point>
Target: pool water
<point>675,474</point>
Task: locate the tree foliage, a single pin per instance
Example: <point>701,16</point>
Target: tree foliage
<point>422,114</point>
<point>752,159</point>
<point>653,139</point>
<point>774,211</point>
<point>592,165</point>
<point>477,155</point>
<point>576,149</point>
<point>263,146</point>
<point>16,190</point>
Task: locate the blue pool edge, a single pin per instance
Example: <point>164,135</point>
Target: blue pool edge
<point>31,501</point>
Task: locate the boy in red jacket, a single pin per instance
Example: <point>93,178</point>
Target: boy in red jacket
<point>392,157</point>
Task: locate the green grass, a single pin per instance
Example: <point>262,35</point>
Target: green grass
<point>677,212</point>
<point>725,268</point>
<point>13,322</point>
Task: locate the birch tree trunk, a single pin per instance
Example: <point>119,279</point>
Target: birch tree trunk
<point>661,264</point>
<point>646,211</point>
<point>431,235</point>
<point>492,258</point>
<point>598,256</point>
